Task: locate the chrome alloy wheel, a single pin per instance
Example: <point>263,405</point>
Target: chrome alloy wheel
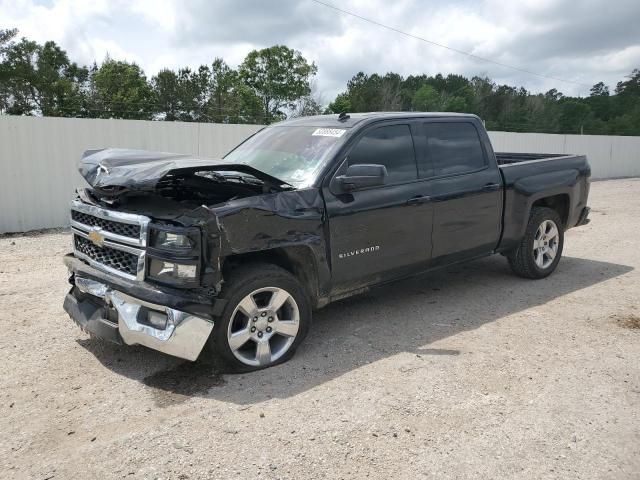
<point>263,326</point>
<point>545,244</point>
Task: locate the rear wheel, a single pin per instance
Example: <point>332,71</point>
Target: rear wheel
<point>267,316</point>
<point>540,249</point>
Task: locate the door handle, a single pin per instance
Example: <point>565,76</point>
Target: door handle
<point>418,200</point>
<point>489,187</point>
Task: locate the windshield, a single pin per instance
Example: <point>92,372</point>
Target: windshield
<point>292,154</point>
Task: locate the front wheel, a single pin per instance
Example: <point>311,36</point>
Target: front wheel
<point>540,249</point>
<point>267,316</point>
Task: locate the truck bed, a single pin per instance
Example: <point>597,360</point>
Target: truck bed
<point>508,158</point>
<point>528,176</point>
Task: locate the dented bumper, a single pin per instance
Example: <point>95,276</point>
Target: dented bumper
<point>103,310</point>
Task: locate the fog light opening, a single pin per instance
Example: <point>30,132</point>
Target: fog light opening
<point>157,319</point>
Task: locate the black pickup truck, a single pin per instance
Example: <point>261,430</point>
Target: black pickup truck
<point>179,253</point>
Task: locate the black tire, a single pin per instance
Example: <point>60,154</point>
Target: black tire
<point>240,283</point>
<point>522,259</point>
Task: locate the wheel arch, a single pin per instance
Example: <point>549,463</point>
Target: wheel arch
<point>560,203</point>
<point>299,260</point>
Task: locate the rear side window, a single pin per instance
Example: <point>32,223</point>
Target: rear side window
<point>391,146</point>
<point>453,148</point>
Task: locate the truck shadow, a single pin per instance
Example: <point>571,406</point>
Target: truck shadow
<point>404,317</point>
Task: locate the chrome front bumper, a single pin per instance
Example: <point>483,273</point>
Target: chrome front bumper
<point>184,334</point>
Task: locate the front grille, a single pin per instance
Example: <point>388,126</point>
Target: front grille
<point>118,228</point>
<point>110,257</point>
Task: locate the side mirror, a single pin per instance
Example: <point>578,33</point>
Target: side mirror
<point>362,176</point>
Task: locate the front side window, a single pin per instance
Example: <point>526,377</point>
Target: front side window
<point>391,146</point>
<point>453,147</point>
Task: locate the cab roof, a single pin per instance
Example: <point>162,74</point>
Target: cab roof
<point>333,120</point>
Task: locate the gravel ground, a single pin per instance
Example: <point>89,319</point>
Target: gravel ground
<point>466,373</point>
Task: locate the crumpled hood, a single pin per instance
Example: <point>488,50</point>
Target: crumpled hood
<point>142,170</point>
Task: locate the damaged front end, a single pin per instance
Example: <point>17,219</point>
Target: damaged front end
<point>151,234</point>
<point>135,281</point>
<point>101,310</point>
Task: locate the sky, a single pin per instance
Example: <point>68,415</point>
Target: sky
<point>582,42</point>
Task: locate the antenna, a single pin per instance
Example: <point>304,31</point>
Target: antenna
<point>343,117</point>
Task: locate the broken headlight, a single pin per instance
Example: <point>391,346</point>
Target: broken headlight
<point>173,255</point>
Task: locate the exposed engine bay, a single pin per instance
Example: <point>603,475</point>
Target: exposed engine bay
<point>161,185</point>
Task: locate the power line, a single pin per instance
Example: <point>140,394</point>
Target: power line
<point>441,45</point>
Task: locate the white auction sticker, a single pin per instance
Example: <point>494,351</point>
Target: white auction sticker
<point>328,132</point>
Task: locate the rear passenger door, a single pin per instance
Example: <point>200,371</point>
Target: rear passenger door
<point>379,233</point>
<point>466,190</point>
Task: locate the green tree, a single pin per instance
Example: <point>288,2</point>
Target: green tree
<point>232,101</point>
<point>599,90</point>
<point>390,92</point>
<point>224,99</point>
<point>194,93</point>
<point>410,86</point>
<point>279,76</point>
<point>59,82</point>
<point>482,89</point>
<point>166,95</point>
<point>455,103</point>
<point>20,65</point>
<point>454,83</point>
<point>364,92</point>
<point>39,79</point>
<point>630,87</point>
<point>122,91</point>
<point>342,103</point>
<point>573,115</point>
<point>6,34</point>
<point>181,95</point>
<point>426,99</point>
<point>600,102</point>
<point>309,104</point>
<point>6,37</point>
<point>208,94</point>
<point>90,103</point>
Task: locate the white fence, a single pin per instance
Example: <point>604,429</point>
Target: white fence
<point>609,156</point>
<point>39,156</point>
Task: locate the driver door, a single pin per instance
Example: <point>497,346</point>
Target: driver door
<point>382,232</point>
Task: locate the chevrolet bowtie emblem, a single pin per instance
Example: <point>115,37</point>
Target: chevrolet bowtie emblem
<point>96,238</point>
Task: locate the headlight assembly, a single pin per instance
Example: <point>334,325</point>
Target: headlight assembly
<point>172,272</point>
<point>174,255</point>
<point>170,240</point>
<point>164,238</point>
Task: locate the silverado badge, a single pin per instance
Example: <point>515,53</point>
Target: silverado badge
<point>359,251</point>
<point>96,238</point>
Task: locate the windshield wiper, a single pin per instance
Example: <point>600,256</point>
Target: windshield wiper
<point>244,179</point>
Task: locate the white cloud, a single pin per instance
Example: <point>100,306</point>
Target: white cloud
<point>585,42</point>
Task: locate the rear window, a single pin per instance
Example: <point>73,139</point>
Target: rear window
<point>452,148</point>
